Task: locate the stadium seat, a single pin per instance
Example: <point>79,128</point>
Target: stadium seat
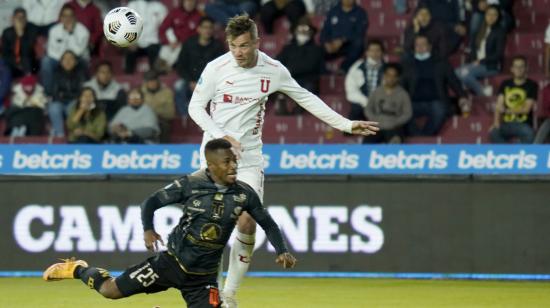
<point>332,84</point>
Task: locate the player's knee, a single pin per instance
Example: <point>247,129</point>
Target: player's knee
<point>110,290</point>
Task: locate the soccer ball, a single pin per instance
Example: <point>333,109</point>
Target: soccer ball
<point>122,26</point>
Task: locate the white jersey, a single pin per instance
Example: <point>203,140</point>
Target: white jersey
<point>238,96</point>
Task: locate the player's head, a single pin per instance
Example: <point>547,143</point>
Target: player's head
<point>242,38</point>
<point>221,161</point>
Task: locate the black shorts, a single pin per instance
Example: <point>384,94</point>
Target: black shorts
<point>161,272</point>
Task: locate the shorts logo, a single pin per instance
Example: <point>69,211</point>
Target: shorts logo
<point>264,87</point>
<point>227,98</point>
<point>211,232</point>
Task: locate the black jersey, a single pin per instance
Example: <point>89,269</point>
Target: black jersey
<point>209,216</point>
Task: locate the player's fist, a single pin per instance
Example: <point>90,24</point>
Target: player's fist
<point>286,259</point>
<point>152,240</point>
<point>365,128</point>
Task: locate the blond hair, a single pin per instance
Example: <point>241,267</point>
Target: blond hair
<point>240,25</point>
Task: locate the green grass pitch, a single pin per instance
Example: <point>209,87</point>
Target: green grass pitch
<point>296,292</point>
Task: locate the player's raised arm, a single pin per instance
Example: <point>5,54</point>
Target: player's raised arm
<point>203,93</point>
<point>173,193</point>
<point>318,108</point>
<point>272,231</point>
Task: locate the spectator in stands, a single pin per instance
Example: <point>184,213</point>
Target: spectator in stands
<point>222,10</point>
<point>486,53</point>
<point>18,44</point>
<point>195,53</point>
<point>153,13</point>
<point>547,52</point>
<point>5,84</point>
<point>427,79</point>
<point>109,94</point>
<point>134,123</point>
<point>67,82</point>
<point>451,14</point>
<point>180,24</point>
<point>303,57</point>
<point>423,24</point>
<point>343,32</point>
<point>363,77</point>
<point>25,116</point>
<point>43,13</point>
<point>273,9</point>
<point>543,133</point>
<point>390,106</point>
<point>161,99</point>
<point>88,14</point>
<point>479,7</point>
<point>66,35</point>
<point>320,7</point>
<point>514,109</point>
<point>86,122</point>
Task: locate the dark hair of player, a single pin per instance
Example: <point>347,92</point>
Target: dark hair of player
<point>216,144</point>
<point>240,25</point>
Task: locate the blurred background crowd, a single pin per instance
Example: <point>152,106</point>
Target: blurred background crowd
<point>430,71</point>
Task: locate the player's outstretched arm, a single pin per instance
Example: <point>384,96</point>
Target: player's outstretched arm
<point>322,111</point>
<point>173,193</point>
<point>272,231</point>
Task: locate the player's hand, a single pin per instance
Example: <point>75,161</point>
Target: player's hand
<point>235,146</point>
<point>365,128</point>
<point>152,240</point>
<point>286,259</point>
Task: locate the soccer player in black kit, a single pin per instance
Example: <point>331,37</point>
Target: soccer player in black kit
<point>212,200</point>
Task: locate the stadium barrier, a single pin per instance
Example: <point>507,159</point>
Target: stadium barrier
<point>281,159</point>
<point>334,224</point>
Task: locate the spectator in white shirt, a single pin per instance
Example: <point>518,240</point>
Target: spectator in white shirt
<point>67,35</point>
<point>153,13</point>
<point>43,13</point>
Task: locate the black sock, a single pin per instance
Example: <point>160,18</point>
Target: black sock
<point>92,276</point>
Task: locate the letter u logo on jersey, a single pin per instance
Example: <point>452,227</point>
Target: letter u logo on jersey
<point>264,85</point>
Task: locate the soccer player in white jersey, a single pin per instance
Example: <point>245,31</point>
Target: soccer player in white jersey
<point>238,84</point>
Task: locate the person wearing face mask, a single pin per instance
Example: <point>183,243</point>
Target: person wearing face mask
<point>363,77</point>
<point>304,59</point>
<point>136,122</point>
<point>427,79</point>
<point>423,24</point>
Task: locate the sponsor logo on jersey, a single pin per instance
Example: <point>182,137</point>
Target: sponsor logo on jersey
<point>227,98</point>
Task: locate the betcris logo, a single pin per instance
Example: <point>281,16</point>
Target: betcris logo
<point>96,159</point>
<point>281,159</point>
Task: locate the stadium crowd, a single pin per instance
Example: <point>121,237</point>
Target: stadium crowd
<point>417,67</point>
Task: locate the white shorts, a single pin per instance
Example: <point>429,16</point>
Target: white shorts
<point>250,168</point>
